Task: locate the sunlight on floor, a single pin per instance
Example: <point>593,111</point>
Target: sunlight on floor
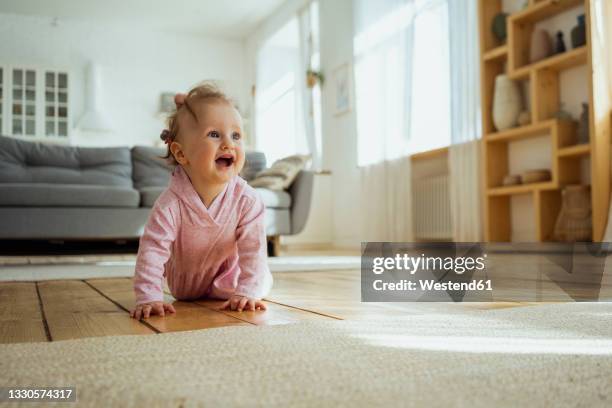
<point>480,344</point>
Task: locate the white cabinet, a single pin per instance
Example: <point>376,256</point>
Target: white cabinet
<point>34,103</point>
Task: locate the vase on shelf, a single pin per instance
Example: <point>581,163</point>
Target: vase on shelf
<point>506,103</point>
<point>541,46</point>
<point>579,33</point>
<point>560,43</point>
<point>499,28</point>
<point>583,125</point>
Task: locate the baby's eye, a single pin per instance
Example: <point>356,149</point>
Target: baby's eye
<point>213,133</point>
<point>236,136</point>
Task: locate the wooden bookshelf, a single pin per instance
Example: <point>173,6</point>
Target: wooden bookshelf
<point>542,79</point>
<point>568,59</point>
<point>576,150</point>
<point>521,189</point>
<point>500,52</point>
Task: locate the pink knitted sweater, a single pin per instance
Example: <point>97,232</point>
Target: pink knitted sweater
<point>210,252</point>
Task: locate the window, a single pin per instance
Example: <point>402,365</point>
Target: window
<point>279,129</point>
<point>430,126</point>
<point>37,103</point>
<point>56,104</point>
<point>402,77</point>
<point>287,111</point>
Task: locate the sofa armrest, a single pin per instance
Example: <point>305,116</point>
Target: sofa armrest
<point>301,197</point>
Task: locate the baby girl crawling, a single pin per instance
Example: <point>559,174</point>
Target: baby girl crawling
<point>205,233</point>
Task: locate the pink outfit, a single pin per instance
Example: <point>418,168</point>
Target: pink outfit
<point>203,252</point>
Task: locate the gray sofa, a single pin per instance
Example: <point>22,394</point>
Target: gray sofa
<point>52,192</point>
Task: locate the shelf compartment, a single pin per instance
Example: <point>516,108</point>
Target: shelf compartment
<point>500,52</point>
<point>575,151</point>
<point>547,205</point>
<point>544,9</point>
<point>521,132</point>
<point>556,63</point>
<point>521,188</point>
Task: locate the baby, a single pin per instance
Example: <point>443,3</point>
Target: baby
<point>205,233</point>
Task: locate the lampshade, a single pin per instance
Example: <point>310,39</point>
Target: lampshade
<point>93,118</point>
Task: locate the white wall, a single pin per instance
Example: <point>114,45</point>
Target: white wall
<point>137,66</point>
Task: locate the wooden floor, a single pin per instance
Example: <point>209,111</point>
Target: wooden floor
<point>71,309</point>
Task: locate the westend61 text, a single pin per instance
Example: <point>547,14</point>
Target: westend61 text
<point>428,285</point>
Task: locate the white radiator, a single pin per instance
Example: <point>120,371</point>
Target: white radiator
<point>431,209</point>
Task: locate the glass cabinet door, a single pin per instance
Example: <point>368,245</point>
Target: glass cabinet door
<point>24,102</point>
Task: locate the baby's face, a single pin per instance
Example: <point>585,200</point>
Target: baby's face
<point>213,145</point>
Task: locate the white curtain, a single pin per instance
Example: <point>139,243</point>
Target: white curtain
<point>465,152</point>
<point>465,198</point>
<point>305,21</point>
<point>387,201</point>
<point>464,70</point>
<point>382,46</point>
<point>402,85</point>
<point>383,52</point>
<point>417,88</point>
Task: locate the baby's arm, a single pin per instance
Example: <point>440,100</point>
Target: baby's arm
<point>153,253</point>
<point>255,279</point>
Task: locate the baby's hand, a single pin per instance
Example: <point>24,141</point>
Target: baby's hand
<point>240,303</point>
<point>150,309</point>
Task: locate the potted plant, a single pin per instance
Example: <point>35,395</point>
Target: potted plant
<point>313,77</point>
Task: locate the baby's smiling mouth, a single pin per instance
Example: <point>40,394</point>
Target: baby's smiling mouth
<point>225,160</point>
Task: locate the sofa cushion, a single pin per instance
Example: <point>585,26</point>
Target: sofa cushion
<point>28,162</point>
<point>148,195</point>
<point>274,198</point>
<point>150,169</point>
<point>281,174</point>
<point>66,195</point>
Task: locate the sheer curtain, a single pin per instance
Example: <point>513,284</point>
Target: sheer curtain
<point>308,26</point>
<point>402,102</point>
<point>382,47</point>
<point>465,151</point>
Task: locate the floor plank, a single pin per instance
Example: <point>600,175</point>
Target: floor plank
<point>74,310</point>
<point>20,316</point>
<point>99,307</point>
<point>188,316</point>
<point>275,313</point>
<point>338,294</point>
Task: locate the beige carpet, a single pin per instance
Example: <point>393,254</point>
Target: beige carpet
<point>543,355</point>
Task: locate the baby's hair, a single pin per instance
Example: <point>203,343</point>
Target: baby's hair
<point>204,92</point>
